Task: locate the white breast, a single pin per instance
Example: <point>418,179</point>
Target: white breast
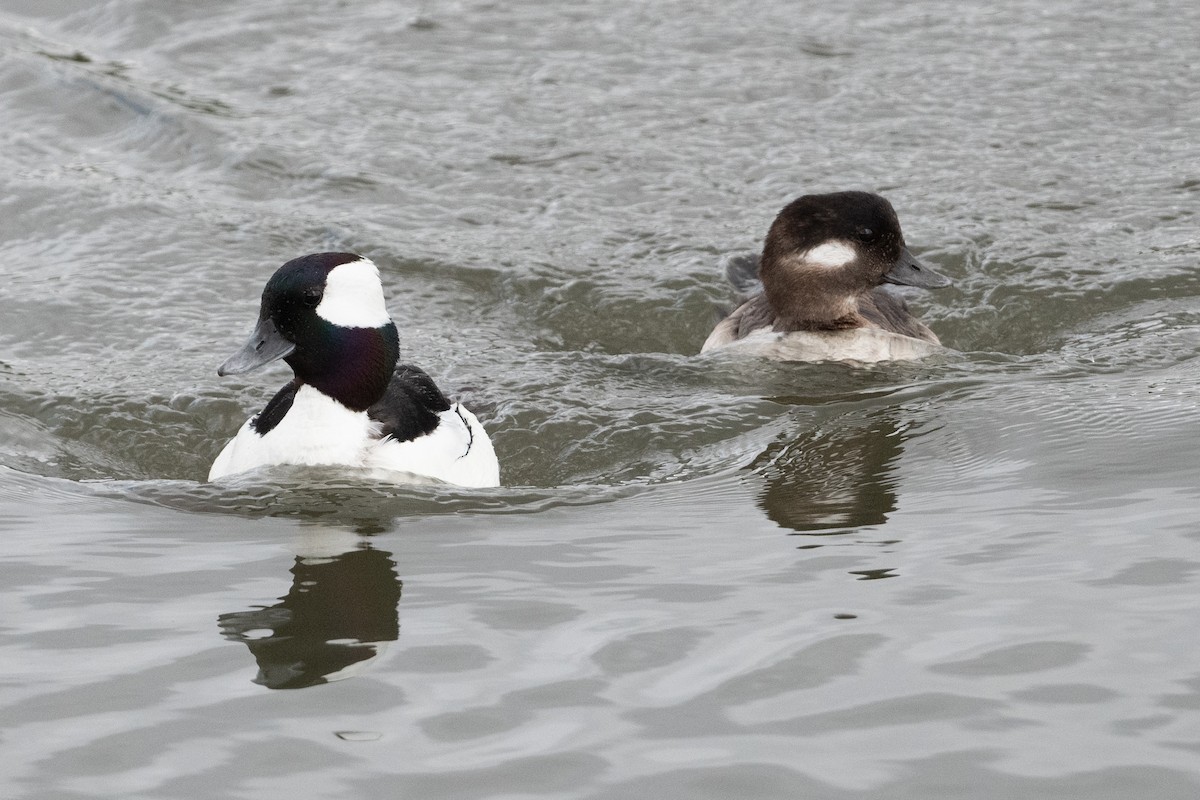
<point>316,430</point>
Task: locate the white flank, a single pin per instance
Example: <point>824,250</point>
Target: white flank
<point>830,255</point>
<point>458,451</point>
<point>354,296</point>
<point>316,430</point>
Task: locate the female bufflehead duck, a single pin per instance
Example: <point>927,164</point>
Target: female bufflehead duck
<point>349,403</point>
<point>822,269</point>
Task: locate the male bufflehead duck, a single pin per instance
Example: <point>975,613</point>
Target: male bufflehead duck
<point>823,264</point>
<point>349,403</point>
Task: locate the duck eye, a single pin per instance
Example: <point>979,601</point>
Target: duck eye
<point>864,234</point>
<point>312,297</point>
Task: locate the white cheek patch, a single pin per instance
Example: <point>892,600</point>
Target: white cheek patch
<point>831,255</point>
<point>354,297</point>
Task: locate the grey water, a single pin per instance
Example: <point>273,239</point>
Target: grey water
<point>976,576</point>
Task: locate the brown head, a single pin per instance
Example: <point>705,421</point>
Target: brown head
<point>825,250</point>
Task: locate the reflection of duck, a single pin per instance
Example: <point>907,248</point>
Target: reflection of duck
<point>838,475</point>
<point>339,611</point>
<point>818,294</point>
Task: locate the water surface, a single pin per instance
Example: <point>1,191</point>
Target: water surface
<point>971,577</point>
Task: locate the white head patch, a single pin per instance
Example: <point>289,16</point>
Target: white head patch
<point>354,296</point>
<point>831,254</point>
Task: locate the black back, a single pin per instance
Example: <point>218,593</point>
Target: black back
<point>410,406</point>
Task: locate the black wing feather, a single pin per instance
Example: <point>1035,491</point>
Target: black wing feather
<point>275,410</point>
<point>410,406</point>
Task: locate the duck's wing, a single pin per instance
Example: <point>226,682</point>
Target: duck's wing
<point>889,312</point>
<point>752,315</point>
<point>742,272</point>
<point>411,406</point>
